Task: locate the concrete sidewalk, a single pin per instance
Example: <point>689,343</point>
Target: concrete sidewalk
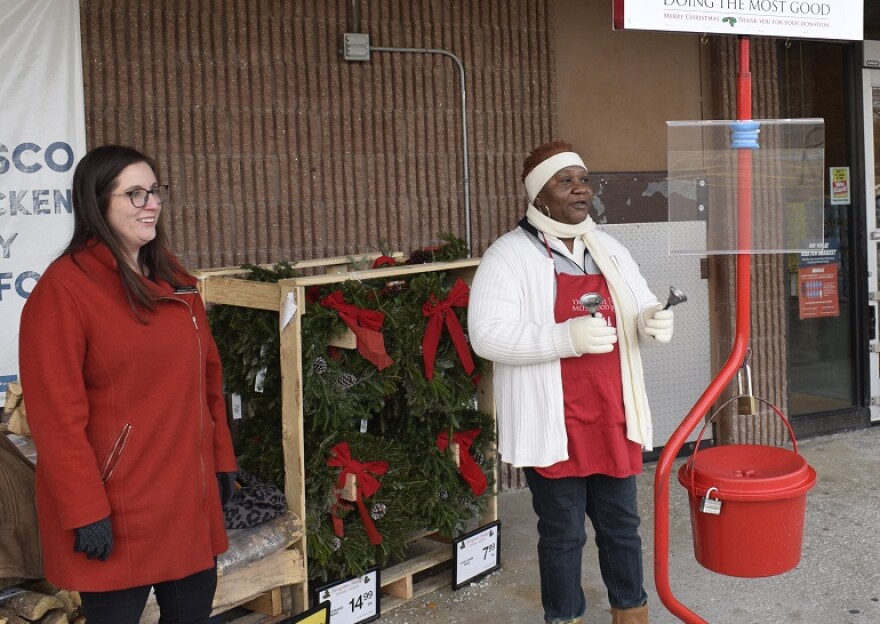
<point>837,581</point>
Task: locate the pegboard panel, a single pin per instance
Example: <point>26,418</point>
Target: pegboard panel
<point>676,374</point>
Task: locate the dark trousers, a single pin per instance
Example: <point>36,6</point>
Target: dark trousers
<point>184,601</point>
<point>562,506</point>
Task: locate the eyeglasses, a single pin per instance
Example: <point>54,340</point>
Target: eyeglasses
<point>140,196</point>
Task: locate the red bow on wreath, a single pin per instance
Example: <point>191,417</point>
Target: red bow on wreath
<point>365,324</point>
<point>365,485</point>
<point>467,466</point>
<point>439,312</point>
<point>383,261</point>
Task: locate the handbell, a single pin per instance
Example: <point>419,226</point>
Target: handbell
<point>675,297</point>
<point>591,301</point>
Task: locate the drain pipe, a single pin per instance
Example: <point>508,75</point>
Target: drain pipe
<point>356,47</point>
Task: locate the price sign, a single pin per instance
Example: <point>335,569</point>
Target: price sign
<point>319,614</point>
<point>476,554</point>
<point>354,600</point>
<point>237,408</point>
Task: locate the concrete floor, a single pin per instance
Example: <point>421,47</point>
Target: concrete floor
<point>837,581</point>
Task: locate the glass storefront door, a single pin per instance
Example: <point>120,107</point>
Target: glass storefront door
<point>821,359</point>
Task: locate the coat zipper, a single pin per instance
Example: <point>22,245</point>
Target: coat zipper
<point>195,323</point>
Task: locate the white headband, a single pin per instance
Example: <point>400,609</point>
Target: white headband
<point>545,170</point>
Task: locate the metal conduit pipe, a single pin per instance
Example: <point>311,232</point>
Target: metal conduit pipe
<point>354,16</point>
<point>464,133</point>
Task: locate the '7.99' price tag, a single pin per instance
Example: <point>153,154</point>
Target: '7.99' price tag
<point>476,554</point>
<point>354,600</point>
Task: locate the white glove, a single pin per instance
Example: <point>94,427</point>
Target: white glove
<point>658,323</point>
<point>591,334</point>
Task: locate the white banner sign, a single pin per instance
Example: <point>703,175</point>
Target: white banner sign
<point>793,19</point>
<point>42,136</point>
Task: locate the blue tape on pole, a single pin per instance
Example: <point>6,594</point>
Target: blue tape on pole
<point>744,134</point>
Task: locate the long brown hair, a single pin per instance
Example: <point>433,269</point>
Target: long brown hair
<point>94,180</point>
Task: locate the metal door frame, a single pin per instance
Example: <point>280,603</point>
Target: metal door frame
<point>871,82</point>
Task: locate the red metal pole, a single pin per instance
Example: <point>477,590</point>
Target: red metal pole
<point>734,360</point>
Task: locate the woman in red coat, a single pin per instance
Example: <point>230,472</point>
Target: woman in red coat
<point>123,386</point>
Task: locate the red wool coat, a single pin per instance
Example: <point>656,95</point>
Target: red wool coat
<point>88,368</point>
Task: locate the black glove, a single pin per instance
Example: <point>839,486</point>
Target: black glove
<point>95,539</point>
<point>226,482</point>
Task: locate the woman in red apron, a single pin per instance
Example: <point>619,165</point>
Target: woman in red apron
<point>582,392</point>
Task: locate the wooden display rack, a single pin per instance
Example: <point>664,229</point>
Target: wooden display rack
<point>411,578</point>
<point>256,586</point>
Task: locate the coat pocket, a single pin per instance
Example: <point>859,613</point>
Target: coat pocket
<point>115,454</point>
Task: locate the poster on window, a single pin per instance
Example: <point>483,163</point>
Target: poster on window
<point>42,136</point>
<point>817,290</point>
<point>838,181</point>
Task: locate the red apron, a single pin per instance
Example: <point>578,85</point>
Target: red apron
<point>593,395</point>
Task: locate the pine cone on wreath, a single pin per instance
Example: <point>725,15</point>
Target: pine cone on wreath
<point>377,511</point>
<point>319,366</point>
<point>420,256</point>
<point>393,287</point>
<point>346,380</point>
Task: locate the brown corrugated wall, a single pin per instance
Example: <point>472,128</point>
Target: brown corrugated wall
<point>276,149</point>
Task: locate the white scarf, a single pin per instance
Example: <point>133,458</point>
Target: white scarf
<point>638,414</point>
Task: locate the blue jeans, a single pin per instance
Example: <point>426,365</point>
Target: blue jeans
<point>612,507</point>
<point>184,601</point>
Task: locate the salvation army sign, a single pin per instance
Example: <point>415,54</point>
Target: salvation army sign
<point>793,19</point>
<point>42,136</point>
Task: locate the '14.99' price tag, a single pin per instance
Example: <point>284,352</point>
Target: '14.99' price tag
<point>354,600</point>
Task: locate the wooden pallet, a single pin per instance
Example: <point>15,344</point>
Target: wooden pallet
<point>256,587</point>
<point>419,575</point>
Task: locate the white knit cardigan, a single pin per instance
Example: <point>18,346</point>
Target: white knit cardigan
<point>511,322</point>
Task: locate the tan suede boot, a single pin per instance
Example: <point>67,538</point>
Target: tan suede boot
<point>636,615</point>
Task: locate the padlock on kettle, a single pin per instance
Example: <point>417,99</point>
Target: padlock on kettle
<point>710,505</point>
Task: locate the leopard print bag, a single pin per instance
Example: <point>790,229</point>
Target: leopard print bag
<point>252,502</point>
